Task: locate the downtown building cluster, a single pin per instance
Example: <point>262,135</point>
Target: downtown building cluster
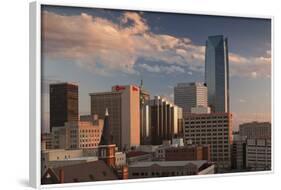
<point>131,134</point>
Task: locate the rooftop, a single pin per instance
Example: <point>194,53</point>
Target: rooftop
<point>136,153</point>
<point>85,172</point>
<point>198,163</point>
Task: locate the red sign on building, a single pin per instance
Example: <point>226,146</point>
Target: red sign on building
<point>118,88</point>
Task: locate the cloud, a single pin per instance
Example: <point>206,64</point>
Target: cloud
<point>240,118</point>
<point>242,100</point>
<point>103,46</point>
<point>251,67</point>
<point>162,69</point>
<point>100,45</point>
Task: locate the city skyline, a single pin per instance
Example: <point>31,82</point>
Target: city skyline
<point>109,47</point>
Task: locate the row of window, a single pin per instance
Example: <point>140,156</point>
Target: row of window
<point>203,122</point>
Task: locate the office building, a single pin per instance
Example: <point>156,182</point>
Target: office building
<point>81,134</point>
<point>152,169</point>
<point>123,104</point>
<point>217,73</point>
<point>188,95</point>
<point>214,129</point>
<point>238,153</point>
<point>165,119</point>
<point>63,104</point>
<point>145,133</point>
<point>258,154</point>
<point>200,109</point>
<point>255,130</point>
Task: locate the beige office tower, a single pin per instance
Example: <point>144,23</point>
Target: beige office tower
<point>188,95</point>
<point>123,104</point>
<point>214,129</point>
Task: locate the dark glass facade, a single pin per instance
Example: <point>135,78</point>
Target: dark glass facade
<point>217,73</point>
<point>63,104</point>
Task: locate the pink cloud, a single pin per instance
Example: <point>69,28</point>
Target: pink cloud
<point>92,41</point>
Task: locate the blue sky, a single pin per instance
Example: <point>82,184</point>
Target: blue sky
<point>99,48</point>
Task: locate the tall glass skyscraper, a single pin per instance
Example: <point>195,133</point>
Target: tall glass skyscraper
<point>217,73</point>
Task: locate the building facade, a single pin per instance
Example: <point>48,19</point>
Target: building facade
<point>145,130</point>
<point>190,152</point>
<point>46,141</point>
<point>258,154</point>
<point>217,73</point>
<point>82,134</point>
<point>238,153</point>
<point>165,119</point>
<point>255,130</point>
<point>123,104</point>
<point>63,104</point>
<point>169,168</point>
<point>214,129</point>
<point>188,95</point>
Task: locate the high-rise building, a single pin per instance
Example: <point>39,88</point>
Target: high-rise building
<point>145,133</point>
<point>63,104</point>
<point>217,73</point>
<point>214,129</point>
<point>165,119</point>
<point>255,130</point>
<point>123,104</point>
<point>188,95</point>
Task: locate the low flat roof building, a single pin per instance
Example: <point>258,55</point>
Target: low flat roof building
<point>169,168</point>
<point>190,152</point>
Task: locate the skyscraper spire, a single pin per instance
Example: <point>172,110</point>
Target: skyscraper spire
<point>106,138</point>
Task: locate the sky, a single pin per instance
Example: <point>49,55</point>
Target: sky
<point>99,48</point>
